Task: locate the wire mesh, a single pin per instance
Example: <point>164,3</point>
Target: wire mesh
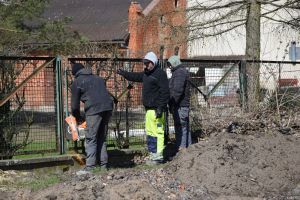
<point>279,83</point>
<point>214,88</point>
<point>28,118</point>
<point>126,127</point>
<point>217,81</point>
<point>28,122</point>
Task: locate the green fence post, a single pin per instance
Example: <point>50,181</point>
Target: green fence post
<point>59,105</point>
<point>66,92</point>
<point>243,84</point>
<point>66,96</point>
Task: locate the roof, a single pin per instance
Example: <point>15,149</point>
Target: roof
<point>98,20</point>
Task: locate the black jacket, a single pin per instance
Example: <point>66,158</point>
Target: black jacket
<point>179,87</point>
<point>91,90</point>
<point>155,87</point>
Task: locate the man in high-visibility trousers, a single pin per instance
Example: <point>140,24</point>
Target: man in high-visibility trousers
<point>155,99</point>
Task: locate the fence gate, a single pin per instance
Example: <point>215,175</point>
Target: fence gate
<point>126,127</point>
<point>29,106</point>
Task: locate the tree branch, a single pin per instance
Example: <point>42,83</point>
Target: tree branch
<point>203,35</point>
<point>199,7</point>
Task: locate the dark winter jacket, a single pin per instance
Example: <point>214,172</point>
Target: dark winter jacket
<point>179,86</point>
<point>91,90</point>
<point>155,87</point>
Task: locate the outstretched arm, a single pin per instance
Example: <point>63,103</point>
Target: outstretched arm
<point>131,76</point>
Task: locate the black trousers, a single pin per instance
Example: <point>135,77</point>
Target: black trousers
<point>95,138</point>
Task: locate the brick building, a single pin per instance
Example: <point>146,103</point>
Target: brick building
<point>127,29</point>
<point>158,27</point>
<point>134,27</point>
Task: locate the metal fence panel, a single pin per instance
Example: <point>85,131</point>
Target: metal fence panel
<point>279,83</point>
<point>30,115</point>
<point>218,81</point>
<point>28,118</point>
<point>126,127</point>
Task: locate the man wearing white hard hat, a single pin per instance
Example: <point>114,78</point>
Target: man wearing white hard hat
<point>155,99</point>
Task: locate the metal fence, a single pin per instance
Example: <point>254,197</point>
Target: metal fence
<point>32,120</point>
<point>219,88</point>
<point>126,127</point>
<point>28,122</point>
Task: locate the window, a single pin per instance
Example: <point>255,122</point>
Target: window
<point>161,51</point>
<point>162,19</point>
<point>176,51</point>
<point>293,52</point>
<point>176,3</point>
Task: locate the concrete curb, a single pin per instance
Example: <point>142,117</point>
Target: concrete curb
<point>33,163</point>
<point>51,161</point>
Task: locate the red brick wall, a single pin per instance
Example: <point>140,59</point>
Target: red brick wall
<point>134,19</point>
<point>149,31</point>
<point>39,91</point>
<point>161,26</point>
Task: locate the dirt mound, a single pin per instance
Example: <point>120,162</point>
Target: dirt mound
<point>128,184</point>
<point>247,160</point>
<point>134,189</point>
<point>255,165</point>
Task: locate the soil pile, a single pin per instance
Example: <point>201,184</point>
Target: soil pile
<point>251,165</point>
<point>230,164</point>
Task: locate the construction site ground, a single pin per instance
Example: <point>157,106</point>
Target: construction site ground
<point>238,159</point>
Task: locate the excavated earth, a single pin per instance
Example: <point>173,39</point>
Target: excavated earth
<point>253,164</point>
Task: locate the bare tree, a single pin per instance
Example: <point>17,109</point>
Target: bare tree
<point>215,17</point>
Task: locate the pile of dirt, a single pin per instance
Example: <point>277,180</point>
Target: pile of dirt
<point>128,184</point>
<point>250,165</point>
<point>229,164</point>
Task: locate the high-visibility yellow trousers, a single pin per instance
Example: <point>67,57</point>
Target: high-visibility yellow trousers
<point>155,134</point>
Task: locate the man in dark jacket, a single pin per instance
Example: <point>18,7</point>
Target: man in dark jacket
<point>91,90</point>
<point>155,99</point>
<point>180,101</point>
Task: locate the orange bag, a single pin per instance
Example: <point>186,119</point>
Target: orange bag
<point>72,127</point>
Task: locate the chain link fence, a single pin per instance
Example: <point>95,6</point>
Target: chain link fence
<point>28,116</point>
<point>126,127</point>
<point>32,123</point>
<point>279,83</point>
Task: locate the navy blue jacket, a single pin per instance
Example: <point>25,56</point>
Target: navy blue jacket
<point>179,87</point>
<point>91,90</point>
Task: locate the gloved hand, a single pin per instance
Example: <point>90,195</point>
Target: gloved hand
<point>158,112</point>
<point>121,72</point>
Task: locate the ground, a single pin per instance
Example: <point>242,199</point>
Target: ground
<point>237,162</point>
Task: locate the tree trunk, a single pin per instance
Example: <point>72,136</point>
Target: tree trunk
<point>252,53</point>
